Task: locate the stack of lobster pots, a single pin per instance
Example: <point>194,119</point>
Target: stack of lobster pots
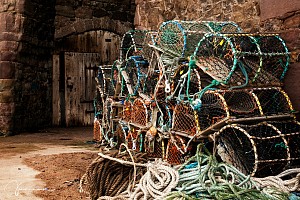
<point>195,82</point>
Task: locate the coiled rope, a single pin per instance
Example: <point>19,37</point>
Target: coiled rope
<point>158,181</point>
<point>108,177</point>
<point>202,177</point>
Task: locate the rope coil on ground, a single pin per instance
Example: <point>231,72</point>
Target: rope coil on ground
<point>158,181</point>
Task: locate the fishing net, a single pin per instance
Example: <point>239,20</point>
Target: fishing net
<point>273,101</point>
<point>132,43</point>
<point>149,42</point>
<point>260,150</point>
<point>135,140</point>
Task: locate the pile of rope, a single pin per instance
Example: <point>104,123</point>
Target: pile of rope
<point>112,173</point>
<point>203,177</point>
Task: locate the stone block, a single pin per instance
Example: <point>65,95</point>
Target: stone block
<point>6,96</point>
<point>292,21</point>
<point>276,8</point>
<point>8,55</point>
<point>7,70</point>
<point>6,84</point>
<point>66,11</point>
<point>84,12</point>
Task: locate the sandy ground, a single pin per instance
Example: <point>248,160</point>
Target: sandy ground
<point>46,164</point>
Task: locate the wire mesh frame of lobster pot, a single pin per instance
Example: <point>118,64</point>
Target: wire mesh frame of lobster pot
<point>185,82</point>
<point>135,139</point>
<point>184,119</point>
<point>273,101</point>
<point>291,131</point>
<point>238,60</point>
<point>141,112</point>
<point>259,150</point>
<point>121,133</point>
<point>179,38</point>
<point>224,27</point>
<point>127,111</point>
<point>136,69</point>
<point>149,41</point>
<point>213,110</point>
<point>241,103</point>
<point>176,150</point>
<point>132,43</point>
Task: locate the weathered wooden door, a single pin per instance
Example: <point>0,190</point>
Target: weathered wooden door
<point>73,103</point>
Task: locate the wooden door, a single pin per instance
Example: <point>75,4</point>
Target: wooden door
<point>80,87</point>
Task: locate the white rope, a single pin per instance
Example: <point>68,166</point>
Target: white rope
<point>157,182</point>
<point>286,185</point>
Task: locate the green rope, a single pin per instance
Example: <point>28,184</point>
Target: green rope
<point>203,177</point>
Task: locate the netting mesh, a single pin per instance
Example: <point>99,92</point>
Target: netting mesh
<point>243,59</point>
<point>139,112</point>
<point>241,103</point>
<point>184,119</point>
<point>127,111</point>
<point>273,101</point>
<point>132,43</point>
<point>175,150</point>
<point>291,132</point>
<point>136,69</point>
<point>212,111</point>
<point>260,150</point>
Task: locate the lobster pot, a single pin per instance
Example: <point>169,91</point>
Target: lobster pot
<point>274,54</point>
<point>136,69</point>
<point>121,133</point>
<point>104,80</point>
<point>213,110</point>
<point>259,150</point>
<point>155,148</point>
<point>224,27</point>
<point>241,103</point>
<point>132,43</point>
<point>140,114</point>
<point>134,140</point>
<point>239,60</point>
<point>273,101</point>
<point>175,152</point>
<point>127,111</point>
<point>291,132</point>
<point>179,38</point>
<point>184,119</point>
<point>148,51</point>
<point>180,81</point>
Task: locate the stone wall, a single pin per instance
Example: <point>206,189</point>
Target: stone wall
<point>79,16</point>
<point>26,44</point>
